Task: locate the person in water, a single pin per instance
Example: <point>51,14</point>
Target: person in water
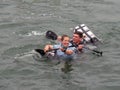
<point>76,41</point>
<point>64,50</point>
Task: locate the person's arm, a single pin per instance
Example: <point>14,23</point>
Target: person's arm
<point>80,47</point>
<point>67,51</point>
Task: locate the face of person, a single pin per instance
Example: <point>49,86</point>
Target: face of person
<point>76,39</point>
<point>66,41</point>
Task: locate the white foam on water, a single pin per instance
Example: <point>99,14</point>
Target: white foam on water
<point>32,33</point>
<point>35,33</point>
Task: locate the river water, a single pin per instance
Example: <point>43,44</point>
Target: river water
<point>23,24</point>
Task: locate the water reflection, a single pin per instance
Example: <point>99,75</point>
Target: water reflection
<point>67,67</point>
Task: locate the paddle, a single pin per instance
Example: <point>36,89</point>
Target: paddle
<point>40,51</point>
<point>99,53</point>
<point>52,35</point>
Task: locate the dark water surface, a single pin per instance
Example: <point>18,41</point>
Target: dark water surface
<point>23,24</point>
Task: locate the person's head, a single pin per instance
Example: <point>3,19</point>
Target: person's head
<point>77,37</point>
<point>65,40</point>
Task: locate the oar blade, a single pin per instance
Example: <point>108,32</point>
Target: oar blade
<point>40,51</point>
<point>51,35</point>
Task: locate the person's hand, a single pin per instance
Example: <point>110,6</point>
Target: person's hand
<point>80,47</point>
<point>66,51</point>
<point>69,52</point>
<point>47,48</point>
<point>62,49</point>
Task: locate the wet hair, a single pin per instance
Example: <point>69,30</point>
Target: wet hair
<point>80,34</point>
<point>63,36</point>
